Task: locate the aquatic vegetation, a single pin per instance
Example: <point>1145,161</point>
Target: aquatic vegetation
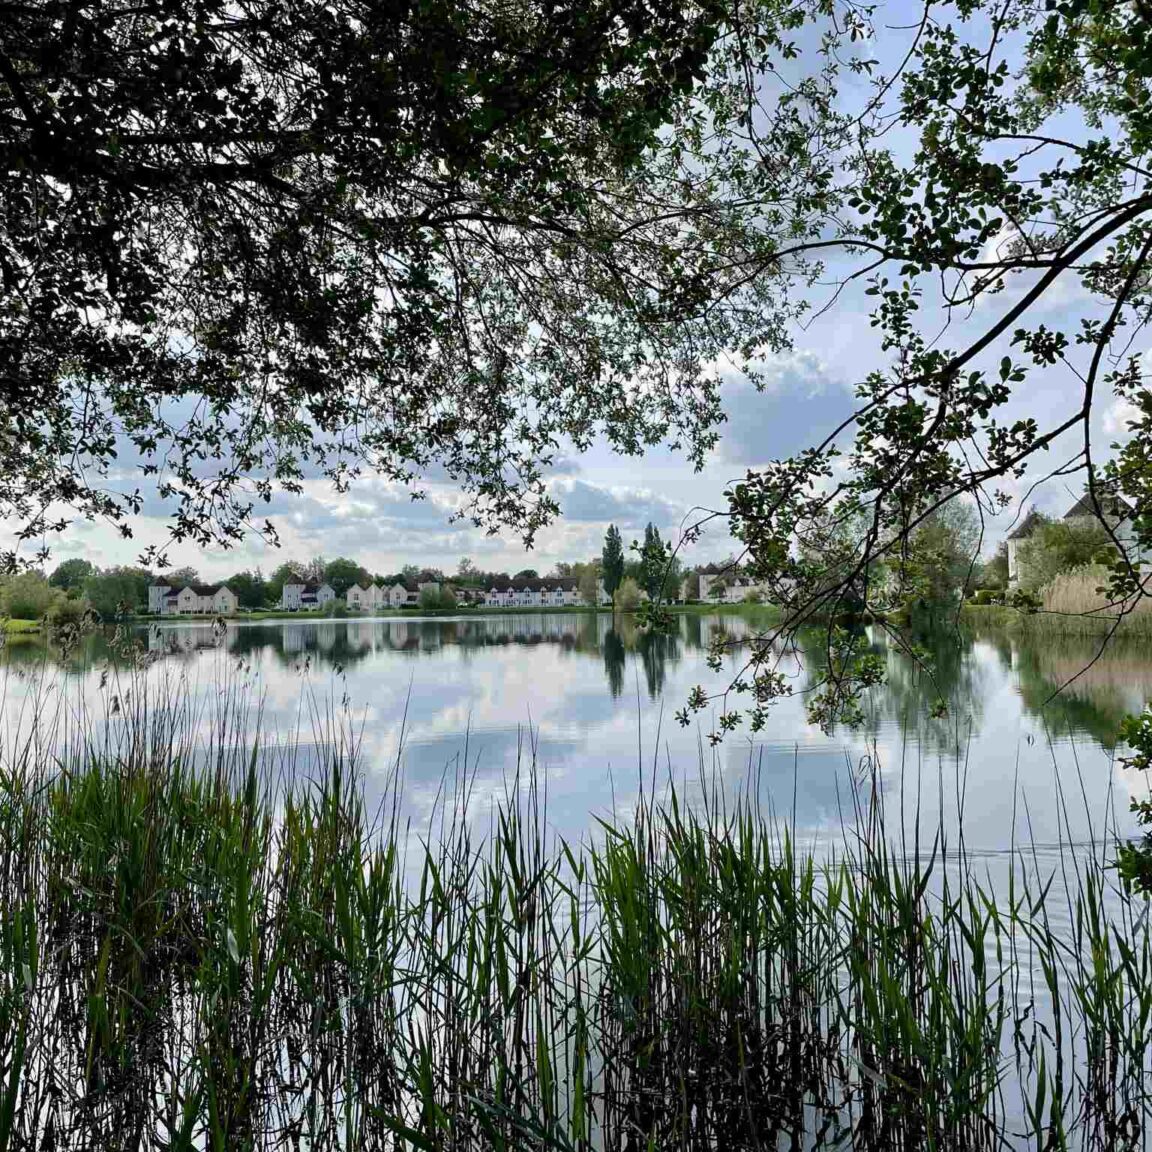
<point>208,942</point>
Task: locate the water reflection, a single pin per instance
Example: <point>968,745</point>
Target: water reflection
<point>598,697</point>
<point>1065,683</point>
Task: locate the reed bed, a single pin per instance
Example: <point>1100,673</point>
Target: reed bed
<point>205,944</point>
<point>1071,604</point>
<point>1078,592</point>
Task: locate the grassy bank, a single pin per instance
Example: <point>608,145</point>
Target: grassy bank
<point>197,958</point>
<point>1052,623</point>
<point>1074,603</point>
<point>21,627</point>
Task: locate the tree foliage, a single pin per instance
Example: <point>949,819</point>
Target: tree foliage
<point>628,595</point>
<point>119,591</point>
<point>994,571</point>
<point>587,577</point>
<point>250,588</point>
<point>71,574</point>
<point>654,559</point>
<point>937,564</point>
<point>994,198</point>
<point>241,245</point>
<point>237,250</point>
<point>342,573</point>
<point>27,596</point>
<point>1056,546</point>
<point>182,577</point>
<point>612,561</point>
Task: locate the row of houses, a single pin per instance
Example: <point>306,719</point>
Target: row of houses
<point>303,596</point>
<point>398,595</point>
<point>548,593</point>
<point>191,600</point>
<point>559,592</point>
<point>724,588</point>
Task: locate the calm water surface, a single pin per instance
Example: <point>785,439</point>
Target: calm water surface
<point>592,705</point>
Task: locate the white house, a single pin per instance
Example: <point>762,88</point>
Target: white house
<point>734,590</point>
<point>1116,515</point>
<point>366,599</point>
<point>301,596</point>
<point>1022,531</point>
<point>192,600</point>
<point>551,593</point>
<point>157,595</point>
<point>397,595</point>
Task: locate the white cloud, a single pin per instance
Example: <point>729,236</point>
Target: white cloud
<point>800,401</point>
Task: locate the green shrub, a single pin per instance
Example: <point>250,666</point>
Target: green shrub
<point>628,595</point>
<point>985,596</point>
<point>68,611</point>
<point>1024,600</point>
<point>28,596</point>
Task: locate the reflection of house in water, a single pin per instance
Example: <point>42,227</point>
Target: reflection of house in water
<point>400,635</point>
<point>184,640</point>
<point>361,634</point>
<point>617,643</point>
<point>297,638</point>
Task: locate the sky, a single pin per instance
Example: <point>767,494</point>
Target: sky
<point>807,391</point>
<point>378,523</point>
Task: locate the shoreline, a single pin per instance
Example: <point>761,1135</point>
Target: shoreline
<point>1054,624</point>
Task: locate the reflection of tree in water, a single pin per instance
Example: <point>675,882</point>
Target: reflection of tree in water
<point>693,632</point>
<point>948,673</point>
<point>1094,694</point>
<point>1068,685</point>
<point>657,651</point>
<point>912,688</point>
<point>615,658</point>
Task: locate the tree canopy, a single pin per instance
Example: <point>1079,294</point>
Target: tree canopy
<point>612,562</point>
<point>994,203</point>
<point>71,574</point>
<point>244,245</point>
<point>250,589</point>
<point>342,573</point>
<point>1057,546</point>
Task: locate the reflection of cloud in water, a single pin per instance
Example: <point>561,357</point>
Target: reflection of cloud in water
<point>599,700</point>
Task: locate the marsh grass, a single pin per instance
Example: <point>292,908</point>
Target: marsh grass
<point>1072,605</point>
<point>1078,592</point>
<point>207,944</point>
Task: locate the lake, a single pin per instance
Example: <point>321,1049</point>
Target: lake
<point>592,706</point>
<point>1017,782</point>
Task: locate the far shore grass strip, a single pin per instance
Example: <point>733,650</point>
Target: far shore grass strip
<point>1046,623</point>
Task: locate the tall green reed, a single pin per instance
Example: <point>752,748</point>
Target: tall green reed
<point>209,941</point>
